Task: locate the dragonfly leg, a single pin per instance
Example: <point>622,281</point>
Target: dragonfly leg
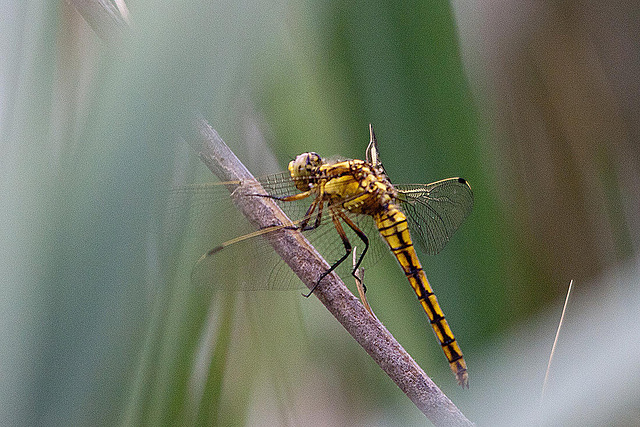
<point>336,215</point>
<point>304,225</point>
<point>319,215</point>
<point>291,198</point>
<point>362,237</point>
<point>347,247</point>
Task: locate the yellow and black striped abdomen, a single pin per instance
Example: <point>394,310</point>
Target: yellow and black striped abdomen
<point>393,227</point>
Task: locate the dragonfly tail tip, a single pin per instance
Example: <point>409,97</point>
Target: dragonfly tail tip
<point>463,379</point>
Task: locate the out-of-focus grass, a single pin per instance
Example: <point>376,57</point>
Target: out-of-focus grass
<point>101,324</point>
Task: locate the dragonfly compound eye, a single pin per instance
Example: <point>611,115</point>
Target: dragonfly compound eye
<point>303,167</point>
<point>305,164</point>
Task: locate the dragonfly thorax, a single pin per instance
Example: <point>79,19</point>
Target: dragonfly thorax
<point>357,187</point>
<point>304,168</point>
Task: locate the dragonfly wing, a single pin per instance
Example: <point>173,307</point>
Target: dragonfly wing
<point>248,265</point>
<point>252,264</point>
<point>207,217</point>
<point>435,211</point>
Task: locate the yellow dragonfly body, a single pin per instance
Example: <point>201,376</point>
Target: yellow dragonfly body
<point>362,188</point>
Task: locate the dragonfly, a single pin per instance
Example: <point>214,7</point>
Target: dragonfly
<point>357,198</point>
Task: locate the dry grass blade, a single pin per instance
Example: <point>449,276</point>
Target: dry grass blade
<point>359,277</point>
<point>555,342</point>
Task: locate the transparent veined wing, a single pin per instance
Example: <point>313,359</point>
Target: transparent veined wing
<point>435,211</point>
<point>210,219</point>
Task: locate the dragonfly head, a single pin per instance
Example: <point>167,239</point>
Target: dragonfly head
<point>303,168</point>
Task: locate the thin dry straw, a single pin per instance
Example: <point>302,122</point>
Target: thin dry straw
<point>555,341</point>
<point>361,290</point>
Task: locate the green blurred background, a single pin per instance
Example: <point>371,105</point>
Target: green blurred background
<point>534,103</point>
